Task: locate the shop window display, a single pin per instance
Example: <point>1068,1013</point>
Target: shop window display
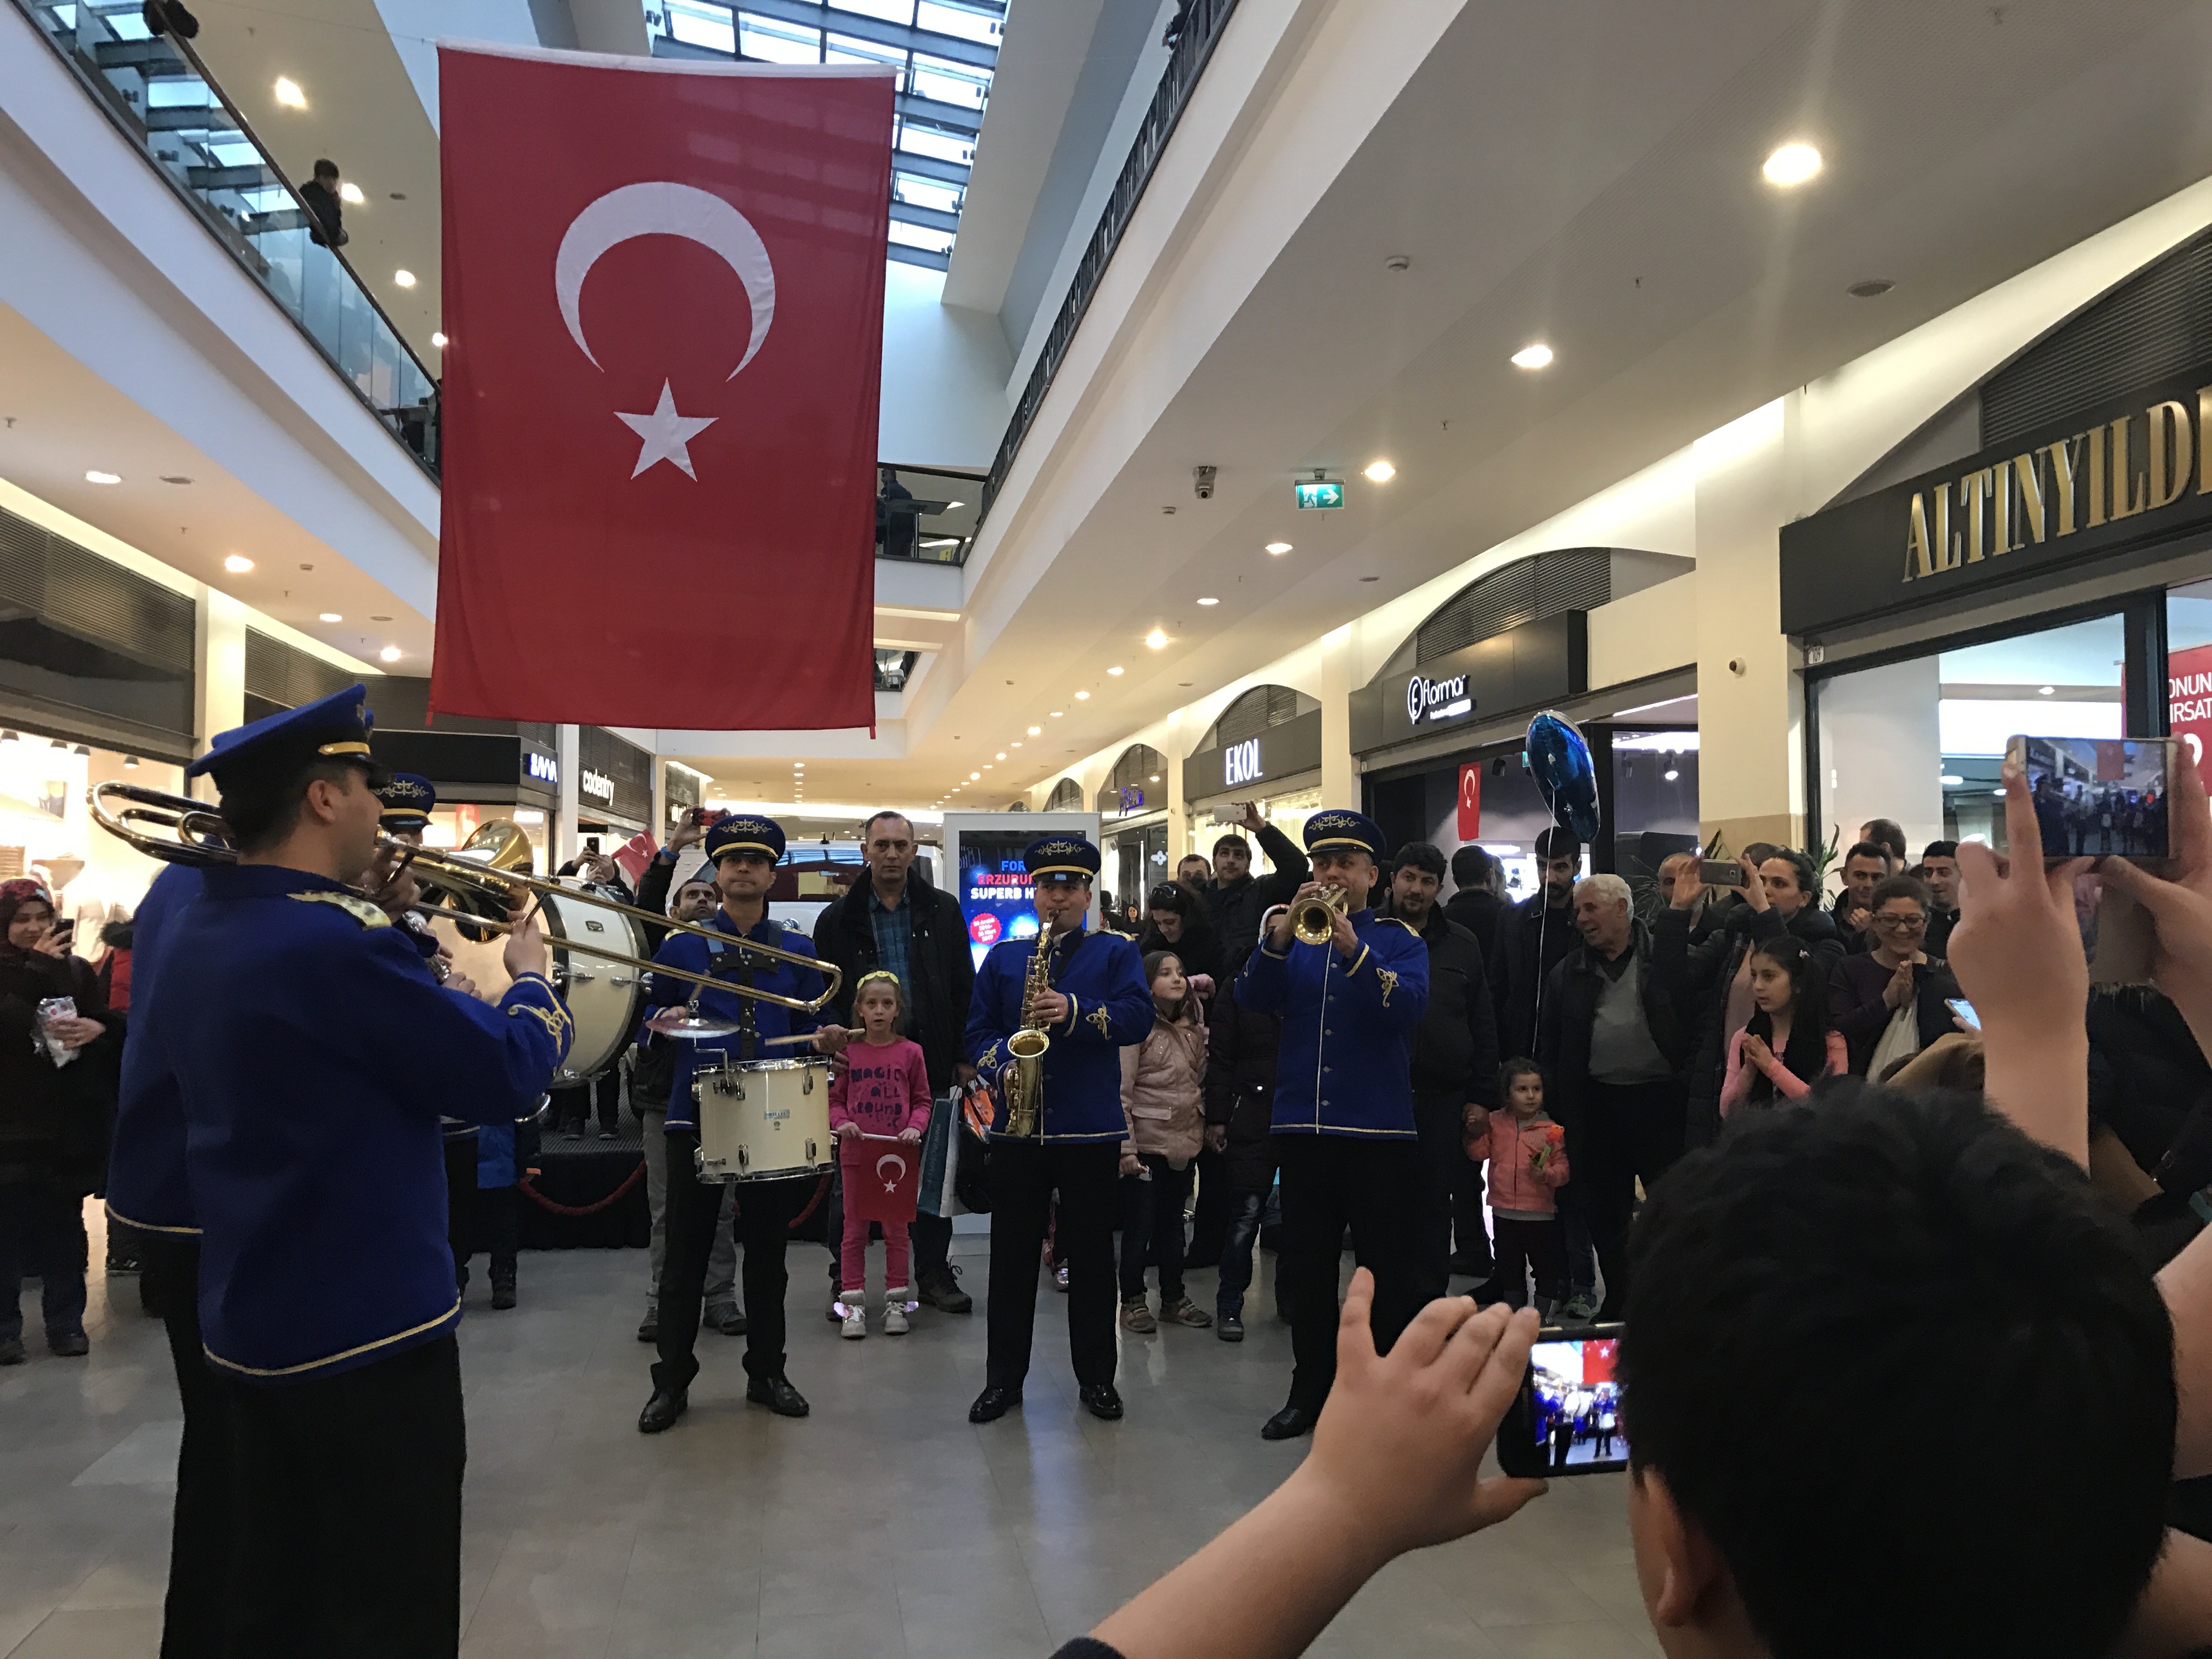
<point>1921,741</point>
<point>47,830</point>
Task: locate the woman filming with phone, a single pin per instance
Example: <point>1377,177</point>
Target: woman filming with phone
<point>1787,1045</point>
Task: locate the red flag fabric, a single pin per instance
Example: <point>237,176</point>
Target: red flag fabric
<point>635,856</point>
<point>886,1183</point>
<point>663,296</point>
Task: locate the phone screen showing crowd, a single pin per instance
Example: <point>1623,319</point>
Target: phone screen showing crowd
<point>1572,1420</point>
<point>2096,795</point>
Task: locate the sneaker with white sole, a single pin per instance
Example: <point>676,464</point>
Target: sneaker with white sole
<point>854,1326</point>
<point>895,1301</point>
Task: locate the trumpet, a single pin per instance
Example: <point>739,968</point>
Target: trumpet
<point>479,870</point>
<point>1313,919</point>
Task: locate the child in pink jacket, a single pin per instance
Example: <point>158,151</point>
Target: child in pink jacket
<point>1527,1166</point>
<point>882,1089</point>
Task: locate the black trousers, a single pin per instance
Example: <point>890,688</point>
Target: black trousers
<point>1524,1247</point>
<point>461,1202</point>
<point>762,1226</point>
<point>1376,1189</point>
<point>573,1104</point>
<point>1630,1130</point>
<point>348,1541</point>
<point>1024,1176</point>
<point>196,1610</point>
<point>1451,1188</point>
<point>1216,1208</point>
<point>498,1212</point>
<point>1151,1228</point>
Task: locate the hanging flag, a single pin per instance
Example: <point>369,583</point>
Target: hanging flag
<point>664,298</point>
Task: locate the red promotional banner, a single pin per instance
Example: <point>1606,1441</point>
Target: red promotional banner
<point>883,1182</point>
<point>2189,692</point>
<point>664,298</point>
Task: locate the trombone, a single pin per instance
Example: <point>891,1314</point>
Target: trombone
<point>470,870</point>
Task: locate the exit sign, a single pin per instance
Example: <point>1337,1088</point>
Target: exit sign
<point>1320,495</point>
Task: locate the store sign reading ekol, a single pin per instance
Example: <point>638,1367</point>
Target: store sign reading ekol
<point>1240,763</point>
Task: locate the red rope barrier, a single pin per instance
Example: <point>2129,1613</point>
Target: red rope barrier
<point>612,1198</point>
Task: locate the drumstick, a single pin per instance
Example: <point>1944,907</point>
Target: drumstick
<point>804,1036</point>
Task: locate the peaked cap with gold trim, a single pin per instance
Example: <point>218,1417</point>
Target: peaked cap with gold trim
<point>1069,857</point>
<point>1341,827</point>
<point>278,745</point>
<point>741,832</point>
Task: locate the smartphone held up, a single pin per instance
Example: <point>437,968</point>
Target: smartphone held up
<point>2095,797</point>
<point>1567,1418</point>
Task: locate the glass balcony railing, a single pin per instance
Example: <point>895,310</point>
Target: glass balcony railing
<point>926,515</point>
<point>160,95</point>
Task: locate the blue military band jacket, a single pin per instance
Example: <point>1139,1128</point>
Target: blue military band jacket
<point>314,1054</point>
<point>698,955</point>
<point>146,1186</point>
<point>1109,1006</point>
<point>1344,1066</point>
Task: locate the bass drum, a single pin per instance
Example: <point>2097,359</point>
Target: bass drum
<point>606,999</point>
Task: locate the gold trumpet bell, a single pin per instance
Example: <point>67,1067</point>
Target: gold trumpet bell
<point>1314,920</point>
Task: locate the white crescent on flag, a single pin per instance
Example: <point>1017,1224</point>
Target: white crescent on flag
<point>891,1182</point>
<point>661,208</point>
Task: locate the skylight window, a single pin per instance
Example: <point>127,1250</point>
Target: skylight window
<point>943,51</point>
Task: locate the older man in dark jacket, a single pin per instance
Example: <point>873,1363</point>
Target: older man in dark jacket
<point>894,919</point>
<point>1455,1068</point>
<point>1237,899</point>
<point>1612,1045</point>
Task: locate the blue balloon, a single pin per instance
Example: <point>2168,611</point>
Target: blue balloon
<point>1565,775</point>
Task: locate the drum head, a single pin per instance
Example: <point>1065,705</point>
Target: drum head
<point>606,999</point>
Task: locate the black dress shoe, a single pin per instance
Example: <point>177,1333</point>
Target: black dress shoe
<point>778,1396</point>
<point>661,1411</point>
<point>648,1328</point>
<point>993,1403</point>
<point>503,1295</point>
<point>1287,1424</point>
<point>1229,1328</point>
<point>1100,1400</point>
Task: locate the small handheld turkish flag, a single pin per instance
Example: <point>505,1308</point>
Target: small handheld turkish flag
<point>664,295</point>
<point>884,1181</point>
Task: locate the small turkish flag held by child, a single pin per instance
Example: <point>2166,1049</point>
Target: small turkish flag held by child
<point>883,1182</point>
<point>634,855</point>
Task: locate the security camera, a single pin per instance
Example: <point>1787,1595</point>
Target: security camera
<point>1202,481</point>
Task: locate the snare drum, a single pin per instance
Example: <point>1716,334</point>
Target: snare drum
<point>763,1119</point>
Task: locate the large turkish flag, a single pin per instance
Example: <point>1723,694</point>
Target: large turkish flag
<point>664,299</point>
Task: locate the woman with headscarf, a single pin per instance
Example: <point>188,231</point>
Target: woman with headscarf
<point>1175,920</point>
<point>57,1097</point>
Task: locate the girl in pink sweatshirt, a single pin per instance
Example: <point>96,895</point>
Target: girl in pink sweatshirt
<point>1528,1154</point>
<point>883,1091</point>
<point>1787,1045</point>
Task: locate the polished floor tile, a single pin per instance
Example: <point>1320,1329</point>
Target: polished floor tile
<point>883,1525</point>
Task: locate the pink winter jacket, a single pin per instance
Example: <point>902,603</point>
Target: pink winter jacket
<point>1510,1146</point>
<point>1787,1084</point>
<point>1163,1080</point>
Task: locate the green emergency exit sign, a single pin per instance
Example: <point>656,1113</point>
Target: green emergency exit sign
<point>1320,493</point>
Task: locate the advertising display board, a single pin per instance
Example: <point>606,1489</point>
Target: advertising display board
<point>983,851</point>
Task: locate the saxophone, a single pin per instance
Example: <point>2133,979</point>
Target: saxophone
<point>1023,1078</point>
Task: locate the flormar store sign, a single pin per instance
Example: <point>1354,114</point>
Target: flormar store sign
<point>2132,472</point>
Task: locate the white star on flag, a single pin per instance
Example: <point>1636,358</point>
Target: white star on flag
<point>666,435</point>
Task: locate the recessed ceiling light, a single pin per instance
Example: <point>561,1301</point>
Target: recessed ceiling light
<point>288,94</point>
<point>975,777</point>
<point>1873,288</point>
<point>389,653</point>
<point>175,479</point>
<point>1278,547</point>
<point>1380,471</point>
<point>377,618</point>
<point>1052,713</point>
<point>1036,730</point>
<point>1115,669</point>
<point>2046,690</point>
<point>1156,639</point>
<point>1538,355</point>
<point>1370,579</point>
<point>986,766</point>
<point>99,478</point>
<point>1792,164</point>
<point>438,340</point>
<point>1002,754</point>
<point>951,505</point>
<point>1017,743</point>
<point>1209,601</point>
<point>237,563</point>
<point>331,616</point>
<point>350,193</point>
<point>1083,697</point>
<point>403,277</point>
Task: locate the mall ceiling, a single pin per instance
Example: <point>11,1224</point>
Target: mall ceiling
<point>1588,175</point>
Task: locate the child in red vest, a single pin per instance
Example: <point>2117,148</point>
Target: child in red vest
<point>882,1091</point>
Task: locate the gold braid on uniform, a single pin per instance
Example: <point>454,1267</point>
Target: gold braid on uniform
<point>1388,982</point>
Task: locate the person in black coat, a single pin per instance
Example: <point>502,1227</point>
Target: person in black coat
<point>1455,1068</point>
<point>1477,904</point>
<point>1534,937</point>
<point>1710,980</point>
<point>894,898</point>
<point>1240,1094</point>
<point>1237,899</point>
<point>1175,920</point>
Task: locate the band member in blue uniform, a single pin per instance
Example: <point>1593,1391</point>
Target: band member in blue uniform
<point>326,1299</point>
<point>1096,1002</point>
<point>1344,1131</point>
<point>744,850</point>
<point>149,1203</point>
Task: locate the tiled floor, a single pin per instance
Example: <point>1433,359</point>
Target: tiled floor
<point>883,1525</point>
